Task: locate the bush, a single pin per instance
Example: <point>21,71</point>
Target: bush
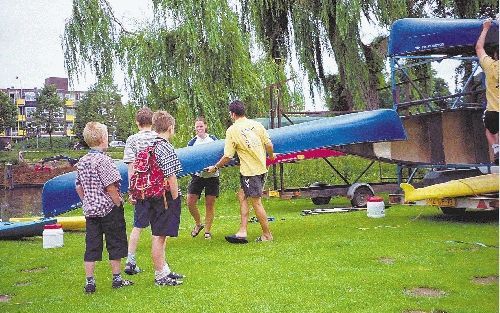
<point>44,143</point>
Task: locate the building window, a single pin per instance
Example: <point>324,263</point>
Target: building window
<point>30,96</point>
<point>30,111</point>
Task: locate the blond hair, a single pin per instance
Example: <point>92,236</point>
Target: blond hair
<point>162,120</point>
<point>94,133</point>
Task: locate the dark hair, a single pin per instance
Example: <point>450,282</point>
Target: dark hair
<point>237,107</point>
<point>491,50</point>
<point>144,116</point>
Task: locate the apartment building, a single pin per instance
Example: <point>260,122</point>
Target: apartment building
<point>25,99</point>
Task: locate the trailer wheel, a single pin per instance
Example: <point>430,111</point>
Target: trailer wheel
<point>452,211</point>
<point>360,196</point>
<point>321,200</point>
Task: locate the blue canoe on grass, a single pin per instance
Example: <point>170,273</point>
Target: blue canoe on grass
<point>59,195</point>
<point>16,230</point>
<point>416,36</point>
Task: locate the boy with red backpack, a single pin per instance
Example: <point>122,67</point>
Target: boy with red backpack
<point>154,187</point>
<point>133,146</point>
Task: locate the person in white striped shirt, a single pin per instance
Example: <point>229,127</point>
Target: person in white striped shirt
<point>134,144</point>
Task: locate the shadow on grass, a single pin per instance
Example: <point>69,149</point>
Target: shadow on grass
<point>481,217</point>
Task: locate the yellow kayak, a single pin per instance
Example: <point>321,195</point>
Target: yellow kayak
<point>67,222</point>
<point>454,188</point>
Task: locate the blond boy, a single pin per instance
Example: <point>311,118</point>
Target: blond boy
<point>98,185</point>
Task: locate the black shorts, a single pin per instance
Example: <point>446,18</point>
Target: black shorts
<point>490,119</point>
<point>253,186</point>
<point>113,227</point>
<point>164,222</point>
<point>197,184</point>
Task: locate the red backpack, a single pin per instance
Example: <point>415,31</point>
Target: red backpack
<point>147,180</point>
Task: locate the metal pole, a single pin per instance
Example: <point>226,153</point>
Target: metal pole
<point>8,177</point>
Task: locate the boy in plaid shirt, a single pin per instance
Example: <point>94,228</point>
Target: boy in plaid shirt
<point>98,185</point>
<point>164,220</point>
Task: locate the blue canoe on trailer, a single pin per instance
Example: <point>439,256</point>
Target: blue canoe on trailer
<point>417,36</point>
<point>16,230</point>
<point>59,195</point>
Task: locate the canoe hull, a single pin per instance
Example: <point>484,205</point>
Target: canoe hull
<point>67,222</point>
<point>59,195</point>
<point>455,188</point>
<point>416,36</point>
<point>16,230</point>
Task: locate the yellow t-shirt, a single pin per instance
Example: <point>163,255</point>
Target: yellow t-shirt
<point>247,138</point>
<point>490,69</point>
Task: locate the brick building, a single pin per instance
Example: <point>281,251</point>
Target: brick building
<point>25,99</point>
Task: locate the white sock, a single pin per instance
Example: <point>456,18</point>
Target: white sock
<point>131,258</point>
<point>495,148</point>
<point>164,272</point>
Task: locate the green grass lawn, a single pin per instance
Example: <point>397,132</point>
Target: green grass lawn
<point>343,262</point>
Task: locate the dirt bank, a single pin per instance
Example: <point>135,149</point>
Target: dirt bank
<point>35,174</point>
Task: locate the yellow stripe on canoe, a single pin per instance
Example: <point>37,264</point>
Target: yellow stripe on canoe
<point>454,188</point>
<point>67,222</point>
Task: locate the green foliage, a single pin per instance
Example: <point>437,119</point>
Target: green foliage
<point>191,58</point>
<point>102,103</point>
<point>8,112</point>
<point>125,121</point>
<point>49,110</point>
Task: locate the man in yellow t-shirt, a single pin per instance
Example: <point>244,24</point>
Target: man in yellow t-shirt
<point>250,140</point>
<point>489,64</point>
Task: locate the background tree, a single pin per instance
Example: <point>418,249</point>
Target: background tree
<point>49,111</point>
<point>8,112</point>
<point>125,121</point>
<point>194,56</point>
<point>102,103</point>
<point>191,59</point>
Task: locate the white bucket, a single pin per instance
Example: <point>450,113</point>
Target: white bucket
<point>375,207</point>
<point>53,236</point>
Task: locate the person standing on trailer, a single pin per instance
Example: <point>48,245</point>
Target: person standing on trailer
<point>488,59</point>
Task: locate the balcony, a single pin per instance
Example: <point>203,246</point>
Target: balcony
<point>70,118</point>
<point>69,132</point>
<point>21,118</point>
<point>20,102</point>
<point>70,103</point>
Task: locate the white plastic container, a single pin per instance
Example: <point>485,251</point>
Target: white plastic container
<point>53,236</point>
<point>375,207</point>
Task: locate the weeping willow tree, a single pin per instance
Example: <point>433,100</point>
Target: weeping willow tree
<point>320,27</point>
<point>191,58</point>
<point>317,27</point>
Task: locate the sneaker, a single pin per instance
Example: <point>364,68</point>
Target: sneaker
<point>167,281</point>
<point>89,288</point>
<point>208,236</point>
<point>121,283</point>
<point>175,276</point>
<point>131,269</point>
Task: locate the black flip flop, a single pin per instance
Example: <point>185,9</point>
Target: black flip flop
<point>196,230</point>
<point>236,239</point>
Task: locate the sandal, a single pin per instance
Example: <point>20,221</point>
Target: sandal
<point>196,230</point>
<point>208,235</point>
<point>261,239</point>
